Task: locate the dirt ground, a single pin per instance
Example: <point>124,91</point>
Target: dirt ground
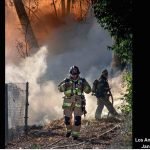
<point>94,135</point>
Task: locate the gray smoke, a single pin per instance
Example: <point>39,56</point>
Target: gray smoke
<point>80,44</point>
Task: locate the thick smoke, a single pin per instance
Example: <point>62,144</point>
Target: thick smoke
<point>81,44</point>
<point>43,99</point>
<point>84,45</point>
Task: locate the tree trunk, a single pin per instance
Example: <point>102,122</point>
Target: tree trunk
<point>115,61</point>
<point>81,9</point>
<point>68,6</point>
<point>63,7</point>
<point>25,23</point>
<point>55,8</point>
<point>116,64</point>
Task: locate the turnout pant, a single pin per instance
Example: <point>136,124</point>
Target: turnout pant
<point>72,108</point>
<point>101,102</point>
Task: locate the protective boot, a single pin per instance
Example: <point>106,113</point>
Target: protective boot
<point>68,134</point>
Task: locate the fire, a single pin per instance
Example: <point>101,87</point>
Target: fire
<point>44,16</point>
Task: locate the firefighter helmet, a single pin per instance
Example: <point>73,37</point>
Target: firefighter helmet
<point>105,72</point>
<point>74,70</point>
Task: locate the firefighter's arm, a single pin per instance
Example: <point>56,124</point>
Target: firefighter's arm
<point>87,87</point>
<point>94,87</point>
<point>108,89</point>
<point>61,86</point>
<point>109,92</point>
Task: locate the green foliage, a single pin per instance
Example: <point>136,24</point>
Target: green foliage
<point>127,81</point>
<point>116,17</point>
<point>123,49</point>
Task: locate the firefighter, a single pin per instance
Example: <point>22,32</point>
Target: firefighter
<point>102,92</point>
<point>74,87</point>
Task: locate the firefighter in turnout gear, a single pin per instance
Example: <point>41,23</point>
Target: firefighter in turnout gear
<point>74,101</point>
<point>102,92</point>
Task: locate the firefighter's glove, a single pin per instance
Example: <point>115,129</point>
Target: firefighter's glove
<point>78,86</point>
<point>67,84</point>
